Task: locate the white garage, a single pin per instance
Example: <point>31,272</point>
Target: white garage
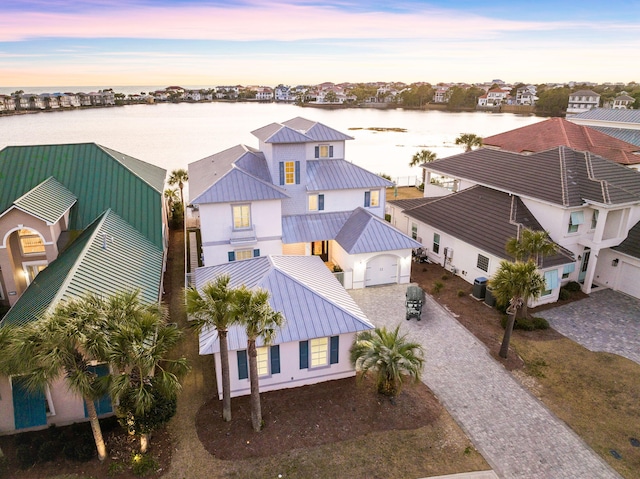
<point>630,280</point>
<point>381,269</point>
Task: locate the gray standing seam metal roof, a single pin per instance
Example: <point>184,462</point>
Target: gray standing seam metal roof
<point>624,134</point>
<point>313,226</point>
<point>277,133</point>
<point>302,288</point>
<point>560,176</point>
<point>631,244</point>
<point>49,201</point>
<point>316,131</point>
<point>608,114</point>
<point>298,130</point>
<point>341,175</point>
<point>484,218</point>
<point>238,185</point>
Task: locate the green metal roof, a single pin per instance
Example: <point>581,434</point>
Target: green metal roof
<point>109,256</point>
<point>47,201</point>
<point>99,177</point>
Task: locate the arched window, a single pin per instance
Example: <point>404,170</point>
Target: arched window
<point>30,242</point>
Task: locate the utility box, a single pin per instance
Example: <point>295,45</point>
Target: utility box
<point>479,287</point>
<point>489,298</point>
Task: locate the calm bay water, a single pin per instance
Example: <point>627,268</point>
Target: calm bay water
<point>174,135</point>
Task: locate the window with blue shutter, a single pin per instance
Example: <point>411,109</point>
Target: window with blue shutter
<point>317,153</point>
<point>333,349</point>
<point>330,151</point>
<point>256,253</point>
<point>232,256</point>
<point>367,199</point>
<point>243,371</point>
<point>275,359</point>
<point>568,269</point>
<point>282,172</point>
<point>320,202</point>
<point>304,354</point>
<point>551,281</point>
<point>297,172</point>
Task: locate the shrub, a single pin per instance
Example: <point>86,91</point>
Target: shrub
<point>387,217</point>
<point>337,269</point>
<point>48,451</point>
<point>25,456</point>
<point>573,286</point>
<point>461,293</point>
<point>564,294</point>
<point>80,449</point>
<point>540,323</point>
<point>526,324</point>
<point>445,276</point>
<point>143,464</point>
<point>115,469</point>
<point>437,286</point>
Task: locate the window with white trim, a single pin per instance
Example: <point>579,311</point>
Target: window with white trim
<point>32,268</point>
<point>414,230</point>
<point>483,262</point>
<point>241,217</point>
<point>318,352</point>
<point>375,198</point>
<point>436,243</point>
<point>243,254</point>
<point>324,151</point>
<point>550,282</point>
<point>30,242</point>
<point>575,220</point>
<point>594,219</point>
<point>289,172</point>
<point>262,360</point>
<point>316,202</point>
<point>568,269</point>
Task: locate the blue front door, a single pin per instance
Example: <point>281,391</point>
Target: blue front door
<point>29,408</point>
<point>103,405</point>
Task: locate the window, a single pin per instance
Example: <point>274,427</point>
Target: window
<point>319,352</point>
<point>483,263</point>
<point>241,217</point>
<point>30,242</point>
<point>575,220</point>
<point>316,202</point>
<point>550,281</point>
<point>371,198</point>
<point>268,361</point>
<point>263,361</point>
<point>32,268</point>
<point>289,172</point>
<point>568,269</point>
<point>324,151</point>
<point>594,219</point>
<point>414,231</point>
<point>436,243</point>
<point>243,254</point>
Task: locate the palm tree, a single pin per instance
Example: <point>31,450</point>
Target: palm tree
<point>390,356</point>
<point>215,307</point>
<point>422,156</point>
<point>469,140</point>
<point>259,321</point>
<point>515,284</point>
<point>179,177</point>
<point>171,196</point>
<point>63,344</point>
<point>531,245</point>
<point>146,377</point>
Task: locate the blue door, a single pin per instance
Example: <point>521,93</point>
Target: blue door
<point>103,405</point>
<point>29,408</point>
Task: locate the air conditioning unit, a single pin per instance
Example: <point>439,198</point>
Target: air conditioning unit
<point>448,252</point>
<point>454,270</point>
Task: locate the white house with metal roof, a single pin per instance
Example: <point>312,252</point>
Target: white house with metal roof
<point>296,194</point>
<point>321,321</point>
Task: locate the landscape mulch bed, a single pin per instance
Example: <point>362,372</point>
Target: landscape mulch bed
<point>311,416</point>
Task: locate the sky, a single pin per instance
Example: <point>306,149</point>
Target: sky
<point>195,42</point>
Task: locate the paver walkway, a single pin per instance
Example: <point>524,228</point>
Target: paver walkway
<point>517,435</point>
<point>605,321</point>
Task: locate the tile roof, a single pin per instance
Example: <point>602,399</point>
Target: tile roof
<point>484,218</point>
<point>608,114</point>
<point>238,185</point>
<point>631,245</point>
<point>338,174</point>
<point>108,256</point>
<point>365,232</point>
<point>49,201</point>
<point>560,176</point>
<point>584,93</point>
<point>409,203</point>
<point>312,227</point>
<point>302,288</point>
<point>560,132</point>
<point>99,177</point>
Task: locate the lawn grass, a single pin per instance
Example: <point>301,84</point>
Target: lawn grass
<point>596,394</point>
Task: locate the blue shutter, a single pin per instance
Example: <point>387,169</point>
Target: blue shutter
<point>256,253</point>
<point>551,279</point>
<point>297,172</point>
<point>317,155</point>
<point>304,354</point>
<point>333,349</point>
<point>330,151</point>
<point>103,405</point>
<point>29,408</point>
<point>320,202</point>
<point>243,372</point>
<point>232,256</point>
<point>282,172</point>
<point>569,268</point>
<point>275,359</point>
<point>367,199</point>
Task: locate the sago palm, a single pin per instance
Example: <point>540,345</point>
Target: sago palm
<point>388,355</point>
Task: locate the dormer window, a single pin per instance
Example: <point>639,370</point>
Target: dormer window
<point>324,151</point>
<point>30,242</point>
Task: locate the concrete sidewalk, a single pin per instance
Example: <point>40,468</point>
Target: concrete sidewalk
<point>517,435</point>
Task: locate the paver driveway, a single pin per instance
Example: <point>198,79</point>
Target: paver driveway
<point>605,321</point>
<point>517,435</point>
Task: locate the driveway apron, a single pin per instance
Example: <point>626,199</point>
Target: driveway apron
<point>517,435</point>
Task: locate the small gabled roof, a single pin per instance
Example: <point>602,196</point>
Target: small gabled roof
<point>558,131</point>
<point>302,288</point>
<point>277,133</point>
<point>631,245</point>
<point>238,185</point>
<point>484,218</point>
<point>364,232</point>
<point>108,257</point>
<point>298,130</point>
<point>584,93</point>
<point>316,131</point>
<point>313,226</point>
<point>624,98</point>
<point>339,174</point>
<point>560,176</point>
<point>49,201</point>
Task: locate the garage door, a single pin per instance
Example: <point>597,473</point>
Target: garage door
<point>630,280</point>
<point>382,269</point>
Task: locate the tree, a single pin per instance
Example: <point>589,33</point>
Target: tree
<point>259,321</point>
<point>215,307</point>
<point>390,356</point>
<point>171,197</point>
<point>422,156</point>
<point>146,379</point>
<point>63,344</point>
<point>515,284</point>
<point>553,101</point>
<point>179,177</point>
<point>330,97</point>
<point>469,140</point>
<point>531,245</point>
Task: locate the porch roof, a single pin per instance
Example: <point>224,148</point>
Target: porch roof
<point>49,201</point>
